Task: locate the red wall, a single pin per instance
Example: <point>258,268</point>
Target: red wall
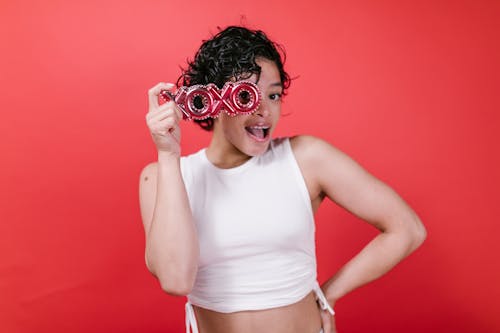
<point>408,88</point>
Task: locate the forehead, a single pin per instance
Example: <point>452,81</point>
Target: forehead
<point>269,74</point>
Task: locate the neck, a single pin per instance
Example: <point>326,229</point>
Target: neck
<point>224,155</point>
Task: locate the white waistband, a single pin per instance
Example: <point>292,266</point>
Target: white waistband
<point>191,324</point>
<point>321,298</point>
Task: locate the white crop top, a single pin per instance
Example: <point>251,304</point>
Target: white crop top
<point>256,232</point>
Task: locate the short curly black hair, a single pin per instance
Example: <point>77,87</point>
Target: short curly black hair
<point>230,54</point>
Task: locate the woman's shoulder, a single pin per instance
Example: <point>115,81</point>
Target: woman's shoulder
<point>303,140</point>
<point>298,143</point>
<point>316,155</point>
<point>149,171</point>
<point>309,147</point>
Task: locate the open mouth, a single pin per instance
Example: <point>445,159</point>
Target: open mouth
<point>260,133</point>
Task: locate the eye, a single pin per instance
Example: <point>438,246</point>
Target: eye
<point>275,97</point>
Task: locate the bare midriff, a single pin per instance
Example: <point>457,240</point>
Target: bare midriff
<point>301,317</point>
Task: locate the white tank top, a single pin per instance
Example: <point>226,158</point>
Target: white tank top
<point>256,229</point>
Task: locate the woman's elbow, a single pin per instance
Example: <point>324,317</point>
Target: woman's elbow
<point>176,288</point>
<point>174,283</point>
<point>177,282</point>
<point>418,233</point>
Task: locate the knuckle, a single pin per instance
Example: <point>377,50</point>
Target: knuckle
<point>152,91</point>
<point>168,109</point>
<point>153,127</point>
<point>170,122</point>
<point>160,85</point>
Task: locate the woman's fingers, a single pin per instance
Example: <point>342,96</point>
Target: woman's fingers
<point>164,125</point>
<point>334,327</point>
<point>163,120</point>
<point>164,111</point>
<point>155,91</point>
<point>168,110</point>
<point>167,124</point>
<point>328,322</point>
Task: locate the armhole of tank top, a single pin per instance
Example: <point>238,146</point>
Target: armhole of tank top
<point>298,175</point>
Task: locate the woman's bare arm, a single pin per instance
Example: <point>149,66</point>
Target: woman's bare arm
<point>172,248</point>
<point>329,172</point>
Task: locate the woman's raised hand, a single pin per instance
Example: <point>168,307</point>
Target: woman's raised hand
<point>163,121</point>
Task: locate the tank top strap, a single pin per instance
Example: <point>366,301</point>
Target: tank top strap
<point>321,298</point>
<point>191,325</point>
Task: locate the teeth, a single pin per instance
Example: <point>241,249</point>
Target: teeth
<point>259,127</point>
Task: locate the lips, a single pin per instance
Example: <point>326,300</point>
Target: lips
<point>259,132</point>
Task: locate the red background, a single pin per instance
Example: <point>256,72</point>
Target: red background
<point>407,88</point>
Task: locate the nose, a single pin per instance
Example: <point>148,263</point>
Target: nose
<point>263,109</point>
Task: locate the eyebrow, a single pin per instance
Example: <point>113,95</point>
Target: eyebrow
<point>274,84</point>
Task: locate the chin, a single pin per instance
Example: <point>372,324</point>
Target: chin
<point>257,149</point>
<point>255,146</point>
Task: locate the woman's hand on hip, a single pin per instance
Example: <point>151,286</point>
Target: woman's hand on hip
<point>328,322</point>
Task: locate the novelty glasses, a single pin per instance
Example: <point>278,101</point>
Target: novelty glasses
<point>203,101</point>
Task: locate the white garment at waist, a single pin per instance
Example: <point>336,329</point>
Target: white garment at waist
<point>191,324</point>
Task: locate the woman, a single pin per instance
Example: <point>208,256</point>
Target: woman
<point>232,226</point>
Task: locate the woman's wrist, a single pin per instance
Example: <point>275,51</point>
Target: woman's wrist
<point>331,294</point>
<point>166,157</point>
<point>331,302</point>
